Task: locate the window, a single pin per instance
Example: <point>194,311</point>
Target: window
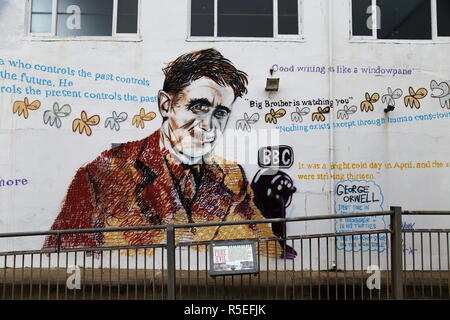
<point>247,19</point>
<point>443,15</point>
<point>400,19</point>
<point>79,18</point>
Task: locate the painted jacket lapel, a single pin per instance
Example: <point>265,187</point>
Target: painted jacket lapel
<point>157,193</point>
<point>213,199</point>
<point>159,197</point>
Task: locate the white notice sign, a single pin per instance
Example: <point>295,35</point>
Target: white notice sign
<point>233,258</point>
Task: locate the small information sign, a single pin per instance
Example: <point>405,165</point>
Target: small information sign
<point>233,257</point>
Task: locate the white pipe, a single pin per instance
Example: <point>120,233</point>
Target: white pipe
<point>331,118</point>
<point>331,115</point>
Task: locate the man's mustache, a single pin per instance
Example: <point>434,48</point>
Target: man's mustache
<point>204,136</point>
<point>193,128</point>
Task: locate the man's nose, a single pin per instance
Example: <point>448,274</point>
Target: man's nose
<point>206,123</point>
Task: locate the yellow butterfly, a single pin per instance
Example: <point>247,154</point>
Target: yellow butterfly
<point>320,114</point>
<point>138,120</point>
<point>22,107</point>
<point>367,105</point>
<point>84,124</point>
<point>413,99</point>
<point>273,115</point>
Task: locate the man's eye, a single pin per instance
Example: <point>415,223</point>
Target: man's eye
<point>220,114</point>
<point>199,108</point>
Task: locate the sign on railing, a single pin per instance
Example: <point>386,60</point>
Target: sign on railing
<point>233,257</point>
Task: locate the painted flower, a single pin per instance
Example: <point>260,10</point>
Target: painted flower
<point>320,114</point>
<point>139,119</point>
<point>245,124</point>
<point>22,107</point>
<point>274,115</point>
<point>367,105</point>
<point>114,122</point>
<point>53,117</point>
<point>345,113</point>
<point>84,123</point>
<point>391,96</point>
<point>414,96</point>
<point>297,115</point>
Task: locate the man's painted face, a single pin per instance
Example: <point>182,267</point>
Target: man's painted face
<point>198,115</point>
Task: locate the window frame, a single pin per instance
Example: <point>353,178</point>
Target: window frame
<point>374,38</point>
<point>53,36</point>
<point>276,37</point>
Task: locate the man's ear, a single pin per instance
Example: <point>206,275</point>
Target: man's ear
<point>164,103</point>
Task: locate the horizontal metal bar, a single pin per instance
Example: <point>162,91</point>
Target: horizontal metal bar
<point>25,252</point>
<point>195,225</point>
<point>189,244</point>
<point>431,213</point>
<point>341,234</point>
<point>298,219</point>
<point>202,243</point>
<point>77,231</point>
<point>426,230</point>
<point>83,249</point>
<point>112,248</point>
<point>311,236</point>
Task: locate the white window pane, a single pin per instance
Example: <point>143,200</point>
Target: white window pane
<point>41,23</point>
<point>127,16</point>
<point>41,6</point>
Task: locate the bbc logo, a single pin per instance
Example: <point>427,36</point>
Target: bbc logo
<point>276,156</point>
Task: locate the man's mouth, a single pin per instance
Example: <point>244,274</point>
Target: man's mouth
<point>203,138</point>
<point>203,143</point>
<point>210,140</point>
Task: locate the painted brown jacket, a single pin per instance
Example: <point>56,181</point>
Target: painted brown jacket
<point>131,185</point>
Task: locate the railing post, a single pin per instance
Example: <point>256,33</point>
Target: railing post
<point>58,242</point>
<point>171,262</point>
<point>396,253</point>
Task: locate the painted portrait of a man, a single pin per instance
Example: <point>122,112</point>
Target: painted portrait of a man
<point>171,176</point>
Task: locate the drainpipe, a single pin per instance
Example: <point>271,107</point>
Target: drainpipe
<point>331,115</point>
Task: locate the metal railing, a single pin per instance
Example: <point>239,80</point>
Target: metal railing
<point>332,266</point>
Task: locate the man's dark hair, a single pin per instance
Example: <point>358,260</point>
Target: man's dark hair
<point>203,63</point>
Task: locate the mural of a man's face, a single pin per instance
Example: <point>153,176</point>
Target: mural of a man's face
<point>197,116</point>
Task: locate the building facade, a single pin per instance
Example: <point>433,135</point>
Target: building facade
<point>361,108</point>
